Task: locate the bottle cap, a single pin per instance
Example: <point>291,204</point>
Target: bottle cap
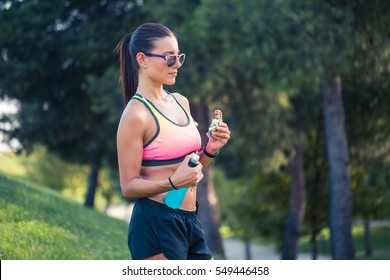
<point>195,158</point>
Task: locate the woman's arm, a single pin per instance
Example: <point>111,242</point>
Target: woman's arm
<point>220,137</point>
<point>130,135</point>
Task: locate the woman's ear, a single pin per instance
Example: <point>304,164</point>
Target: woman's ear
<point>141,59</point>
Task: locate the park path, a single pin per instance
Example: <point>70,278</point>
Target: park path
<point>234,248</point>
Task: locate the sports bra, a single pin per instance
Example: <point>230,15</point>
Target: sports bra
<point>172,141</point>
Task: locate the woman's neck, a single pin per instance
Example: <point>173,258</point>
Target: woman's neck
<point>152,91</point>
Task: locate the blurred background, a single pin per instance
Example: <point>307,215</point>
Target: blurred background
<point>304,86</point>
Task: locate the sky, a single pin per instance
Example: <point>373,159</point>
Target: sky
<point>6,107</point>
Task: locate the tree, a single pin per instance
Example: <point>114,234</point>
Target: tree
<point>50,51</point>
<point>304,37</point>
<point>106,102</point>
<point>340,206</point>
<point>305,50</point>
<point>368,24</point>
<point>366,91</point>
<point>316,176</point>
<point>297,204</point>
<point>331,26</point>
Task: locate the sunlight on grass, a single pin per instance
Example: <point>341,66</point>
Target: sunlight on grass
<point>38,240</point>
<point>379,235</point>
<point>39,223</point>
<point>13,165</point>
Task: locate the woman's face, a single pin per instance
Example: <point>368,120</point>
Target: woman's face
<point>157,68</point>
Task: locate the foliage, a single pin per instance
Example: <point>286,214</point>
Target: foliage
<point>46,169</point>
<point>367,104</point>
<point>316,177</point>
<point>254,207</point>
<point>238,75</point>
<point>371,194</point>
<point>37,223</point>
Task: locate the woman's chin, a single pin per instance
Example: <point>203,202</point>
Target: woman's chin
<point>170,82</point>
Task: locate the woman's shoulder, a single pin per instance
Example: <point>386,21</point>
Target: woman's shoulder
<point>181,98</point>
<point>134,112</point>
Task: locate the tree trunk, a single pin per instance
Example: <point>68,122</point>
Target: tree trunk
<point>209,215</point>
<point>297,205</point>
<point>248,253</point>
<point>340,205</point>
<point>314,218</point>
<point>367,239</point>
<point>93,174</point>
<point>313,242</point>
<point>208,210</point>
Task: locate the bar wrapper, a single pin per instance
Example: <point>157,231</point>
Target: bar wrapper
<point>217,119</point>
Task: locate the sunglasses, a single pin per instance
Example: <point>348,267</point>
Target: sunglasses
<point>171,59</point>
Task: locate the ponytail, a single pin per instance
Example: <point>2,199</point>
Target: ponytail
<point>128,67</point>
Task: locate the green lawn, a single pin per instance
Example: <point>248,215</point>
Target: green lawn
<point>38,223</point>
<point>380,242</point>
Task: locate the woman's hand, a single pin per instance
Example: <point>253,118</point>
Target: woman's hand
<point>220,137</point>
<point>186,176</point>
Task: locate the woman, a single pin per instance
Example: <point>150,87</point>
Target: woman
<point>156,134</point>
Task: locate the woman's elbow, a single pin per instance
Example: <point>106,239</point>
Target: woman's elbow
<point>128,193</point>
<point>127,189</point>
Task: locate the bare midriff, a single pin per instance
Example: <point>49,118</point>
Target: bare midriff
<point>154,173</point>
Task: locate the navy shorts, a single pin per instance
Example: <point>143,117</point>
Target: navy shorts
<point>156,228</point>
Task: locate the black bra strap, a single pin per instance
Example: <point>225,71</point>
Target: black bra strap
<point>155,162</point>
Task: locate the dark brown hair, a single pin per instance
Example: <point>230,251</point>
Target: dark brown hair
<point>141,40</point>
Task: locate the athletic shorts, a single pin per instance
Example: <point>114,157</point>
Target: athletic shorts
<point>156,228</point>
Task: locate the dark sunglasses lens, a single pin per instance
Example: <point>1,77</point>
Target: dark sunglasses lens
<point>171,60</point>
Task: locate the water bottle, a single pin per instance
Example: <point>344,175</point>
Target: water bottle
<point>175,198</point>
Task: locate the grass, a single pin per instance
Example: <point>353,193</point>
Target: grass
<point>380,239</point>
<point>38,223</point>
<point>380,242</point>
